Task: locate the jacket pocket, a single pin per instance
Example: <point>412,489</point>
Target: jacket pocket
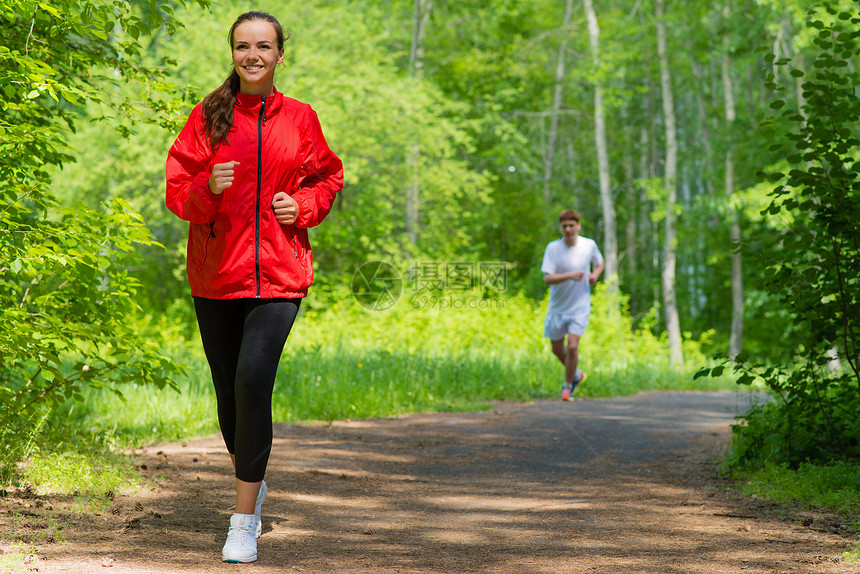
<point>200,244</point>
<point>207,245</point>
<point>301,251</point>
<point>296,251</point>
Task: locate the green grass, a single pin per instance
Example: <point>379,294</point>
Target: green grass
<point>347,362</point>
<point>835,488</point>
<point>91,478</point>
<point>16,557</point>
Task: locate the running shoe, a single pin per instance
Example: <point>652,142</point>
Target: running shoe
<point>241,545</point>
<point>258,507</point>
<point>578,378</point>
<point>566,390</point>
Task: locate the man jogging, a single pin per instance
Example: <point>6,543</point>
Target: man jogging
<point>571,265</point>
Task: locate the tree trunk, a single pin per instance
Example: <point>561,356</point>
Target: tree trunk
<point>422,10</point>
<point>572,162</point>
<point>629,254</point>
<point>640,298</point>
<point>556,106</point>
<point>670,248</point>
<point>736,336</point>
<point>610,238</point>
<point>421,16</point>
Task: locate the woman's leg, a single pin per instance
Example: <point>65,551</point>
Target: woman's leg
<point>267,324</point>
<point>221,323</point>
<point>243,340</point>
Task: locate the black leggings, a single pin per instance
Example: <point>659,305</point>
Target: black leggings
<point>243,340</point>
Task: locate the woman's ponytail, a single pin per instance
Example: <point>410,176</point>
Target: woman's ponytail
<point>218,111</point>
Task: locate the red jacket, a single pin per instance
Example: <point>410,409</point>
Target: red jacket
<point>236,247</point>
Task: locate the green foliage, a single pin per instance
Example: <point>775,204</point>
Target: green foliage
<point>812,268</point>
<point>65,287</point>
<point>479,116</point>
<point>64,324</point>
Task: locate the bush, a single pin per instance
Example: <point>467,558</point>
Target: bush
<point>65,289</point>
<point>790,433</point>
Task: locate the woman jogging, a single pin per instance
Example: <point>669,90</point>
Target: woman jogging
<point>250,172</point>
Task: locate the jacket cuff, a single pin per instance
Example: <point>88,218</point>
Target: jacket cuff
<point>306,210</point>
<point>200,185</point>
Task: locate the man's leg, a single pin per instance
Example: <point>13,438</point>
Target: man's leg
<point>559,350</point>
<point>571,360</point>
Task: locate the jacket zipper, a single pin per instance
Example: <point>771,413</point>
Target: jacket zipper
<point>260,121</point>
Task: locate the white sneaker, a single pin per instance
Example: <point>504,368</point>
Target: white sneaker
<point>258,508</point>
<point>241,545</point>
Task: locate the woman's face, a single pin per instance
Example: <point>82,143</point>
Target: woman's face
<point>255,55</point>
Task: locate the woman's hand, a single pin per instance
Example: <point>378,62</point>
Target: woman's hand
<point>285,207</point>
<point>222,177</point>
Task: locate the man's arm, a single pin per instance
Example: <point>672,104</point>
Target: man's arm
<point>592,277</point>
<point>556,278</point>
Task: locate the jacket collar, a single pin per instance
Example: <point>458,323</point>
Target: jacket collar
<point>251,104</point>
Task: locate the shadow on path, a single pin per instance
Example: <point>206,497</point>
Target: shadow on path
<point>609,485</point>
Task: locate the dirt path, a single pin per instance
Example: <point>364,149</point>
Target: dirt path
<point>616,485</point>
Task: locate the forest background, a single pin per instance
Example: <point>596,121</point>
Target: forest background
<point>464,128</point>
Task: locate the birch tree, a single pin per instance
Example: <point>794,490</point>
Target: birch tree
<point>736,335</point>
<point>670,246</point>
<point>421,17</point>
<point>610,239</point>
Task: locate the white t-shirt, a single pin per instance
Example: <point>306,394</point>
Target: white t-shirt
<point>570,297</point>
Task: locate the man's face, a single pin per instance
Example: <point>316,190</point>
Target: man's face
<point>569,228</point>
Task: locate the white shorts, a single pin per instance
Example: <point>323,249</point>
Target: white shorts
<point>555,327</point>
